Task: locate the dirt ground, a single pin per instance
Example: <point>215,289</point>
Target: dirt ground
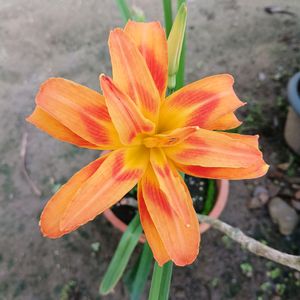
<point>40,39</point>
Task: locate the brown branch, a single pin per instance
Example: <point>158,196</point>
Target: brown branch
<point>251,244</point>
<point>23,152</point>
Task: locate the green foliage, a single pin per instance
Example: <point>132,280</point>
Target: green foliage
<point>161,279</point>
<point>136,279</point>
<point>121,257</point>
<point>124,9</point>
<point>210,197</point>
<point>247,269</point>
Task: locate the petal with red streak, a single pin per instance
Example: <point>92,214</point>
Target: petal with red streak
<point>170,138</point>
<point>169,183</point>
<point>45,122</point>
<point>125,115</point>
<point>80,109</point>
<point>119,173</point>
<point>201,103</point>
<point>208,148</point>
<point>225,122</point>
<point>158,249</point>
<point>151,41</point>
<point>180,240</point>
<point>256,169</point>
<point>131,74</point>
<point>56,206</point>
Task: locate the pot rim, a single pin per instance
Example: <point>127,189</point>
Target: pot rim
<point>221,201</point>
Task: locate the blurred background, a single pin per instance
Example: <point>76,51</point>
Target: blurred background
<point>256,41</point>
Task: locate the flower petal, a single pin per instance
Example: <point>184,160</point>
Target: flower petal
<point>131,74</point>
<point>200,103</point>
<point>225,122</point>
<point>56,206</point>
<point>169,183</point>
<point>119,173</point>
<point>150,39</point>
<point>258,167</point>
<point>208,148</point>
<point>170,138</point>
<point>125,115</point>
<point>45,122</point>
<point>180,240</point>
<point>158,249</point>
<point>80,109</point>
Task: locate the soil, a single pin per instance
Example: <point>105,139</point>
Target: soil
<point>40,39</point>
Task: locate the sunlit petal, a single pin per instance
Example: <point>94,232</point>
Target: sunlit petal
<point>158,249</point>
<point>180,240</point>
<point>150,39</point>
<point>80,109</point>
<point>57,205</point>
<point>131,74</point>
<point>200,103</point>
<point>119,173</point>
<point>125,115</point>
<point>208,148</point>
<point>50,125</point>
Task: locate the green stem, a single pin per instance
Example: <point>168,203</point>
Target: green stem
<point>161,280</point>
<point>124,9</point>
<point>168,15</point>
<point>180,74</point>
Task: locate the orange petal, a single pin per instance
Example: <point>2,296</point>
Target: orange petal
<point>158,249</point>
<point>258,169</point>
<point>208,148</point>
<point>119,173</point>
<point>150,39</point>
<point>180,240</point>
<point>225,122</point>
<point>80,109</point>
<point>169,183</point>
<point>131,74</point>
<point>171,138</point>
<point>125,115</point>
<point>56,206</point>
<point>201,104</point>
<point>251,140</point>
<point>45,122</point>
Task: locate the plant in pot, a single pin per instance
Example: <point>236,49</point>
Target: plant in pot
<point>156,131</point>
<point>292,124</point>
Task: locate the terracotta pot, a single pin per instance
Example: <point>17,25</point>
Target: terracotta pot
<point>223,190</point>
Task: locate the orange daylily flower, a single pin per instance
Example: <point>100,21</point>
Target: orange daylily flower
<point>150,136</point>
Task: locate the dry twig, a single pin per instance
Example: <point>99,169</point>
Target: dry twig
<point>251,244</point>
<point>23,151</point>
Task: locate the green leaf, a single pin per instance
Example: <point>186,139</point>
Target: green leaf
<point>210,197</point>
<point>142,273</point>
<point>121,257</point>
<point>161,280</point>
<point>124,9</point>
<point>167,4</point>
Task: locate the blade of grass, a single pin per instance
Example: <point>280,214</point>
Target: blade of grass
<point>167,4</point>
<point>181,69</point>
<point>142,273</point>
<point>124,9</point>
<point>122,255</point>
<point>161,280</point>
